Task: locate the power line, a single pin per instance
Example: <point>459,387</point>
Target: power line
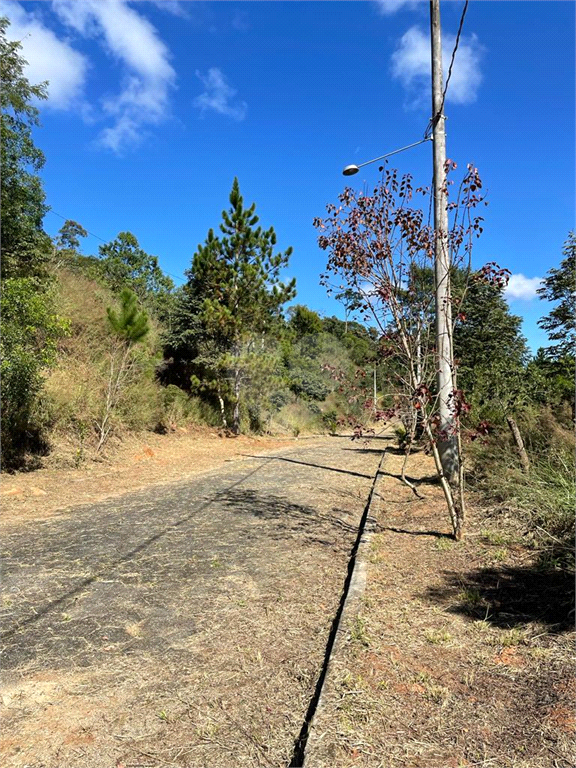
<point>433,120</point>
<point>65,218</point>
<point>454,53</point>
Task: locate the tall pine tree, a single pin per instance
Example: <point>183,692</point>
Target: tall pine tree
<point>234,286</point>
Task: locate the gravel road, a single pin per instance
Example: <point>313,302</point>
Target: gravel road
<point>184,624</point>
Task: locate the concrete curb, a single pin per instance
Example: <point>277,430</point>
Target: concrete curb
<point>356,588</point>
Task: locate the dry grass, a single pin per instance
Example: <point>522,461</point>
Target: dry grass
<point>470,655</point>
<point>295,419</point>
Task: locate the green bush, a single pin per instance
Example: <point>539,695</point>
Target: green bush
<point>30,330</point>
<point>330,420</point>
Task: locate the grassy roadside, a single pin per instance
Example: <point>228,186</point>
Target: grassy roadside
<point>461,654</point>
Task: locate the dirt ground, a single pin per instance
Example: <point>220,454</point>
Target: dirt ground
<point>462,653</point>
<point>182,624</point>
<point>136,463</point>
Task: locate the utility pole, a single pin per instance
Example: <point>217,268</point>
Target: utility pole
<point>448,448</point>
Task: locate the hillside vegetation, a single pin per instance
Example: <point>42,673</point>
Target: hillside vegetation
<point>96,346</point>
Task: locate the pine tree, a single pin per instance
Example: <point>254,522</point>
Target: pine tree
<point>235,278</point>
<point>559,285</point>
<point>130,324</point>
<point>69,236</point>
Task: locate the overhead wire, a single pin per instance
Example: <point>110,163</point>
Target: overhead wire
<point>65,218</point>
<point>434,119</point>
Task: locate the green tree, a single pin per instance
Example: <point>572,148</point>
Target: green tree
<point>559,286</point>
<point>492,355</point>
<point>124,264</point>
<point>67,253</point>
<point>130,324</point>
<point>30,327</point>
<point>30,330</point>
<point>182,340</point>
<point>25,246</point>
<point>236,279</point>
<point>488,345</point>
<point>551,379</point>
<point>304,321</point>
<point>69,236</point>
<point>351,300</point>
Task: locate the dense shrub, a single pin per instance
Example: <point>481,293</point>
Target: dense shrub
<point>30,330</point>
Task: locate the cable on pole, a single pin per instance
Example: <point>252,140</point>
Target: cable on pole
<point>433,120</point>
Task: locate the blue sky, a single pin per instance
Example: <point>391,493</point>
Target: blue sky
<point>155,107</point>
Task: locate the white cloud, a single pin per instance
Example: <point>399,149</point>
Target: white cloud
<point>48,57</point>
<point>174,7</point>
<point>388,7</point>
<point>411,65</point>
<point>133,41</point>
<point>520,287</point>
<point>219,96</point>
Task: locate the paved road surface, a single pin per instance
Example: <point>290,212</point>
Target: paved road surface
<point>182,624</point>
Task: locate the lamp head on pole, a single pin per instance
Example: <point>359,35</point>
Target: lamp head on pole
<point>350,170</point>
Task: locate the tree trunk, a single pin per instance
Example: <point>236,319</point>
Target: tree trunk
<point>222,410</point>
<point>116,380</point>
<point>455,506</point>
<point>524,460</point>
<point>409,444</point>
<point>236,421</point>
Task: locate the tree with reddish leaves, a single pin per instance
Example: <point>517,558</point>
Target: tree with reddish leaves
<point>381,246</point>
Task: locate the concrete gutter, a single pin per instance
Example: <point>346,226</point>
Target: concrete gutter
<point>354,588</point>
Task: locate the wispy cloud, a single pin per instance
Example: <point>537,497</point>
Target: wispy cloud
<point>411,66</point>
<point>388,7</point>
<point>219,96</point>
<point>175,7</point>
<point>48,57</point>
<point>132,41</point>
<point>521,287</point>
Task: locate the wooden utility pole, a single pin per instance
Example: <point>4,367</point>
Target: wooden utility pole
<point>448,448</point>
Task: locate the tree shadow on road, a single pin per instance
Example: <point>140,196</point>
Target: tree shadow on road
<point>427,480</point>
<point>510,596</point>
<point>435,534</point>
<point>291,520</point>
<point>311,464</point>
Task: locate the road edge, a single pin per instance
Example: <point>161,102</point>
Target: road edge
<point>353,591</point>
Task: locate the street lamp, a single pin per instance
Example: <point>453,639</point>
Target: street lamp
<point>350,170</point>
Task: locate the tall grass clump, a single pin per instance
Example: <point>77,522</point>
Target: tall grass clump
<point>542,501</point>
